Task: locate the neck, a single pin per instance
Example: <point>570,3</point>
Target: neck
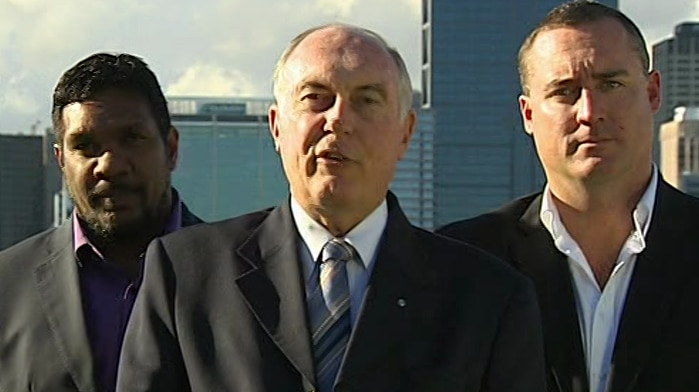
<point>339,220</point>
<point>593,197</point>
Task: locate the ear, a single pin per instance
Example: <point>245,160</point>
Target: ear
<point>526,111</point>
<point>274,125</point>
<point>172,145</point>
<point>58,154</point>
<point>654,90</point>
<point>408,129</point>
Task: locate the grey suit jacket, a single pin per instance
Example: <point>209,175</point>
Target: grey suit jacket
<point>43,342</point>
<point>657,342</point>
<point>223,309</point>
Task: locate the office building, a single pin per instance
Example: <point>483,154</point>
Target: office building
<point>28,180</point>
<point>677,59</point>
<point>679,150</point>
<point>228,166</point>
<point>413,182</point>
<point>227,163</point>
<point>482,157</point>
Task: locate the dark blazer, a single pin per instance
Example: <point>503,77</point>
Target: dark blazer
<point>43,341</point>
<point>658,338</point>
<point>223,309</point>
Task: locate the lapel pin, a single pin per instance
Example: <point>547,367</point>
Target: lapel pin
<point>401,302</point>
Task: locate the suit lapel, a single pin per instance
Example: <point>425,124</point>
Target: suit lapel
<point>399,275</point>
<point>59,289</point>
<point>656,282</point>
<point>534,253</point>
<point>274,289</point>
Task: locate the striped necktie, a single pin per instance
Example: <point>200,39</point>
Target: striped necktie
<point>328,302</point>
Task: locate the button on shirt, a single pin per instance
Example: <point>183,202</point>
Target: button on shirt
<point>364,238</point>
<point>108,294</point>
<point>599,311</point>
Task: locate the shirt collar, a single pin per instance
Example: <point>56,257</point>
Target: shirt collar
<point>364,237</point>
<point>81,241</point>
<point>551,219</point>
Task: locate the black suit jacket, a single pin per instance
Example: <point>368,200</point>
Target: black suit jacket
<point>658,340</point>
<point>223,309</point>
<point>43,341</point>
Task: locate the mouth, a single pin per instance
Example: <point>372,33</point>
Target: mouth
<point>112,197</point>
<point>331,156</point>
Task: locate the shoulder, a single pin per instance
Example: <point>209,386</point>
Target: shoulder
<point>37,247</point>
<point>231,231</point>
<point>490,230</point>
<point>508,214</point>
<point>466,262</point>
<point>671,197</point>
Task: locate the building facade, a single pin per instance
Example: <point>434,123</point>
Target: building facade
<point>29,178</point>
<point>679,150</point>
<point>482,157</point>
<point>677,59</point>
<point>227,163</point>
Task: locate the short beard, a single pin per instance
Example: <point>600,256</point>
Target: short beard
<point>151,223</point>
<point>107,231</point>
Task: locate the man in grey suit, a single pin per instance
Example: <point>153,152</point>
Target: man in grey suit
<point>333,290</point>
<point>610,246</point>
<point>66,294</point>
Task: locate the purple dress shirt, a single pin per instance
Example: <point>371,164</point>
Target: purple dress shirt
<point>108,295</point>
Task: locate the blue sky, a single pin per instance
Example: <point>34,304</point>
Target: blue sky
<point>206,47</point>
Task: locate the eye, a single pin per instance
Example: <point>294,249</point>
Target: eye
<point>85,148</point>
<point>565,94</point>
<point>369,99</point>
<point>608,85</point>
<point>317,101</point>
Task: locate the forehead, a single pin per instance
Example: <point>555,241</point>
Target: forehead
<point>113,108</point>
<point>594,46</point>
<point>337,55</point>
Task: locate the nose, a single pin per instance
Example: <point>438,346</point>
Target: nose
<point>589,109</point>
<point>109,165</point>
<point>336,117</point>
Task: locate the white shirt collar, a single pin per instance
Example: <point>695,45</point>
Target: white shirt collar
<point>364,236</point>
<point>641,214</point>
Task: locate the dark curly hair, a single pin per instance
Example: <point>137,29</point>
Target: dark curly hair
<point>103,71</point>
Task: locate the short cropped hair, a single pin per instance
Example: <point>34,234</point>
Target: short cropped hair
<point>103,71</point>
<point>405,90</point>
<point>577,13</point>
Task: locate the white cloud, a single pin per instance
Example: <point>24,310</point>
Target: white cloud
<point>337,8</point>
<point>212,80</point>
<point>16,97</point>
<point>218,47</point>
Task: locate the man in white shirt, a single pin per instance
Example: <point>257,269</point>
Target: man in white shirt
<point>610,246</point>
<point>333,290</point>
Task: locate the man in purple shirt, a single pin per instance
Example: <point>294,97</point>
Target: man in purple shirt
<point>66,294</point>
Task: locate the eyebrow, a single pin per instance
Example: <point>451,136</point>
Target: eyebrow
<point>376,87</point>
<point>596,76</point>
<point>311,85</point>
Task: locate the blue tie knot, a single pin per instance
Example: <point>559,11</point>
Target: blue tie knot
<point>337,249</point>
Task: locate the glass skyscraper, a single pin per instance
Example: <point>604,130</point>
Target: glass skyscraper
<point>29,177</point>
<point>482,157</point>
<point>227,163</point>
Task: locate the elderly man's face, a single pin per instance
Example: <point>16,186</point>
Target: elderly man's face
<point>338,125</point>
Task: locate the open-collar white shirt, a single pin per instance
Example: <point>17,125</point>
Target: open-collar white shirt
<point>599,311</point>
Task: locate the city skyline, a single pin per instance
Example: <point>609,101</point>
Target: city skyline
<point>207,48</point>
